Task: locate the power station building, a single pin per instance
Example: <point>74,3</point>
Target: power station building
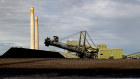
<point>109,53</point>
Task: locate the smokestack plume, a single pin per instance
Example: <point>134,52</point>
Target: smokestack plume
<point>36,34</point>
<point>32,29</point>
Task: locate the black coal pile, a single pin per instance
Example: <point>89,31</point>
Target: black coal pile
<point>30,53</point>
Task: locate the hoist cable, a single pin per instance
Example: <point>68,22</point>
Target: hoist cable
<point>91,40</point>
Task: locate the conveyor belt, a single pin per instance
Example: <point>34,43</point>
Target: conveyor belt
<point>135,55</point>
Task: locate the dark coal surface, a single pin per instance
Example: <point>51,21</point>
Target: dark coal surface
<point>29,53</point>
<point>66,74</point>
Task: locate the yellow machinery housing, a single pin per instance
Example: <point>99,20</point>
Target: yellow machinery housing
<point>107,53</point>
<point>104,52</point>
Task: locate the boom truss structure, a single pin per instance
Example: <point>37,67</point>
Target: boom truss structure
<point>82,50</point>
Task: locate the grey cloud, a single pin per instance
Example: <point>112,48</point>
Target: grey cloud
<point>112,22</point>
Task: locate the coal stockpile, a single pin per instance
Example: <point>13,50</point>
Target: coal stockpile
<point>63,67</point>
<point>64,63</point>
<point>29,53</point>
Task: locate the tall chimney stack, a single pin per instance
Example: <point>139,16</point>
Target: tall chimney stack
<point>32,29</point>
<point>36,34</point>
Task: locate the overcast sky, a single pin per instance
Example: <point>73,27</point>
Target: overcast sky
<point>112,22</point>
